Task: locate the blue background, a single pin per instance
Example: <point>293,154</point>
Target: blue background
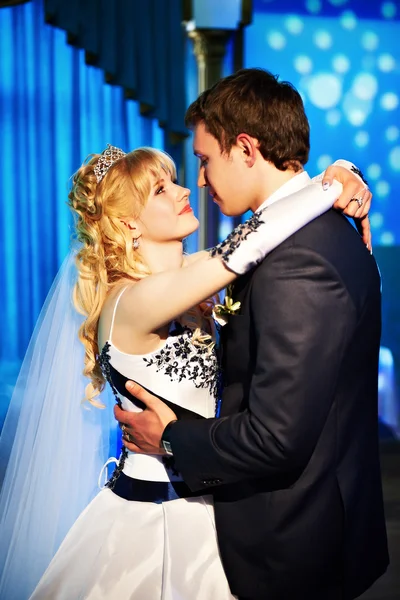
<point>343,56</point>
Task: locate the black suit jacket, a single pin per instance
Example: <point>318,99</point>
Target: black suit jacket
<point>294,459</point>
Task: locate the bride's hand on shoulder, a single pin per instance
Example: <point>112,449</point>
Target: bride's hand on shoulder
<point>355,199</point>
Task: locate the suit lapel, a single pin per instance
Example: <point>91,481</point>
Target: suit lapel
<point>233,335</point>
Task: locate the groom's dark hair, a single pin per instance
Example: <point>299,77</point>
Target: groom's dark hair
<point>253,101</point>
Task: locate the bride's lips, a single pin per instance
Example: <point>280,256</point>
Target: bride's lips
<point>185,209</point>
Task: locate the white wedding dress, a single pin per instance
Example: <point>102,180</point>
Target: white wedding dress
<point>146,550</point>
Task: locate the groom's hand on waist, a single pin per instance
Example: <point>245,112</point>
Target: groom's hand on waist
<point>142,431</point>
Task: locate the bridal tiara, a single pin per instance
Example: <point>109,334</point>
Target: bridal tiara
<point>106,159</point>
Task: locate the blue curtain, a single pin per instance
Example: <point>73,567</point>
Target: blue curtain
<point>54,111</point>
<point>139,45</point>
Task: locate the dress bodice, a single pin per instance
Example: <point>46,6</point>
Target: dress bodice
<point>181,371</point>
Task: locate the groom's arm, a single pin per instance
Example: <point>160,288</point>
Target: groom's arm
<point>303,317</point>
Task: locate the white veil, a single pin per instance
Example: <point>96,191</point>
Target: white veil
<point>52,446</point>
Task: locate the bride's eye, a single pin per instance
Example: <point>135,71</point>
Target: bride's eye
<point>160,189</point>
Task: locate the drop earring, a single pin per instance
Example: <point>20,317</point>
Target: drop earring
<point>135,243</point>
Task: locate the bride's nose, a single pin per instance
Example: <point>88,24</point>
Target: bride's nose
<point>184,194</point>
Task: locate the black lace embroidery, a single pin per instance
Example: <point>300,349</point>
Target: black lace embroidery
<point>181,359</point>
<point>238,235</point>
<point>104,362</point>
<point>359,173</point>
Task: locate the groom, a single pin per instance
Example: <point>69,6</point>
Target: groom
<point>293,461</point>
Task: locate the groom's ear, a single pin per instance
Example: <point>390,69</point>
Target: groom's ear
<point>248,147</point>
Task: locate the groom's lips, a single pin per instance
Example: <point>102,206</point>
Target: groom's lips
<point>214,196</point>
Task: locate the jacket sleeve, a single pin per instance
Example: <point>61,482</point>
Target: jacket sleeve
<point>303,318</point>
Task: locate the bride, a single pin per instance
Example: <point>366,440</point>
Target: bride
<point>147,316</point>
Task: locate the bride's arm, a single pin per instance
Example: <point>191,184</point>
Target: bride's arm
<point>189,259</point>
<point>159,298</point>
<point>354,186</point>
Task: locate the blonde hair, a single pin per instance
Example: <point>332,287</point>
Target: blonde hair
<point>107,256</point>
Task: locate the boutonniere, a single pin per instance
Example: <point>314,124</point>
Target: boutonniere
<point>221,311</point>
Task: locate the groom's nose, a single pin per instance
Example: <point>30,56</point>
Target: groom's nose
<point>201,179</point>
